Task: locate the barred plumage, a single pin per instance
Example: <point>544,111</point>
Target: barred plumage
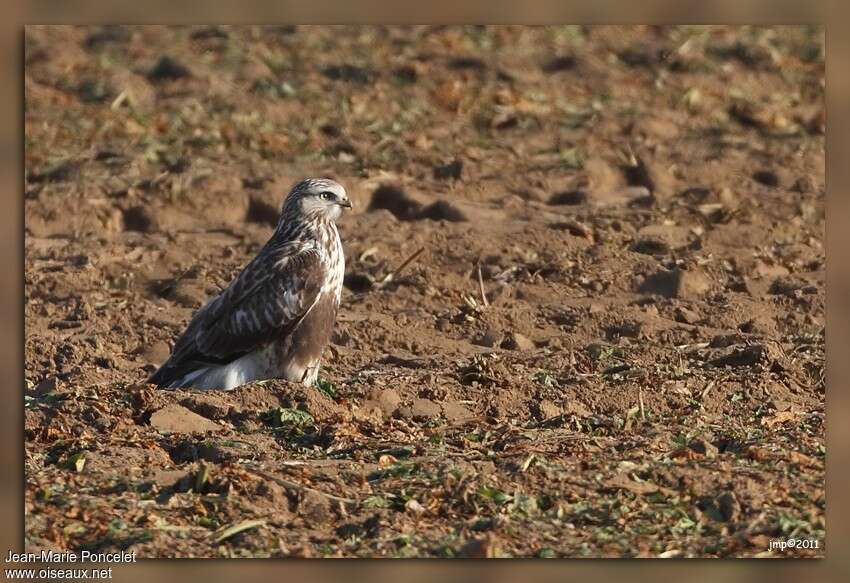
<point>276,317</point>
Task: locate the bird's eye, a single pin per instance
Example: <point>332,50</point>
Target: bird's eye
<point>327,195</point>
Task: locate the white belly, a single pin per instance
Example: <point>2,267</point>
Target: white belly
<point>255,366</point>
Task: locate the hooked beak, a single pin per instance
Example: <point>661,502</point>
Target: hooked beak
<point>345,204</point>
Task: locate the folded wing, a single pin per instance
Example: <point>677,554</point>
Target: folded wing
<point>266,301</point>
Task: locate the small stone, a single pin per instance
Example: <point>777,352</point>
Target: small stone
<point>348,73</point>
<point>574,228</point>
<point>547,409</point>
<point>766,177</point>
<point>455,412</point>
<point>658,128</point>
<point>167,68</point>
<point>724,340</point>
<point>687,316</point>
<point>46,386</point>
<point>745,356</point>
<point>650,176</point>
<point>692,284</point>
<point>442,210</point>
<point>388,401</point>
<point>804,184</point>
<point>276,495</point>
<point>729,507</point>
<point>141,219</point>
<point>703,447</point>
<point>786,286</point>
<point>395,200</point>
<point>387,460</point>
<point>190,293</point>
<point>530,193</point>
<point>727,198</point>
<point>412,506</point>
<point>424,409</point>
<point>107,34</point>
<point>484,548</point>
<point>676,284</point>
<point>569,197</point>
<point>315,507</point>
<point>406,74</point>
<point>261,211</point>
<point>769,270</point>
<point>516,341</point>
<point>761,324</point>
<point>358,282</point>
<point>577,408</point>
<point>369,410</point>
<point>209,405</point>
<point>169,478</point>
<point>156,353</point>
<point>650,246</point>
<point>177,419</point>
<point>490,339</point>
<point>560,63</point>
<point>673,236</point>
<point>451,170</point>
<point>639,196</point>
<point>625,329</point>
<point>406,362</point>
<point>638,56</point>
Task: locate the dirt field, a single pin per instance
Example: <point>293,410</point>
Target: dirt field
<point>638,370</point>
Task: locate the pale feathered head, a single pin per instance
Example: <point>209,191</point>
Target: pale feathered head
<point>316,198</point>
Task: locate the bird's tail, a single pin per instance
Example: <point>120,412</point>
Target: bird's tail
<point>169,376</point>
<point>163,376</point>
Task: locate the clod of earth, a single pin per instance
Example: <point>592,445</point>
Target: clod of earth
<point>178,419</point>
<point>676,283</point>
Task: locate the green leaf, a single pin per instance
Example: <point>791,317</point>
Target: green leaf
<point>376,502</point>
<point>202,477</point>
<point>397,452</point>
<point>495,495</point>
<point>572,159</point>
<point>327,388</point>
<point>397,470</point>
<point>208,522</point>
<point>291,417</point>
<point>76,462</point>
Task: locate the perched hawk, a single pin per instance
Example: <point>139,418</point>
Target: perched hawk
<point>275,318</point>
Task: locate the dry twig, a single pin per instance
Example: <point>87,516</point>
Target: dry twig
<point>481,286</point>
<point>392,274</point>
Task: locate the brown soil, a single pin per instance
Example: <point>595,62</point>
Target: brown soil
<point>646,208</point>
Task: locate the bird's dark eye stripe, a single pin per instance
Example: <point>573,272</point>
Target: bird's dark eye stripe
<point>327,195</point>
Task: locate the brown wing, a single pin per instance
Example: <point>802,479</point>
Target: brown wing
<point>266,301</point>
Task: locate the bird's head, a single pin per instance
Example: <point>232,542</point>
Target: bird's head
<point>316,198</point>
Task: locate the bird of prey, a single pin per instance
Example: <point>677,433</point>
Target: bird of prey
<point>276,317</point>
